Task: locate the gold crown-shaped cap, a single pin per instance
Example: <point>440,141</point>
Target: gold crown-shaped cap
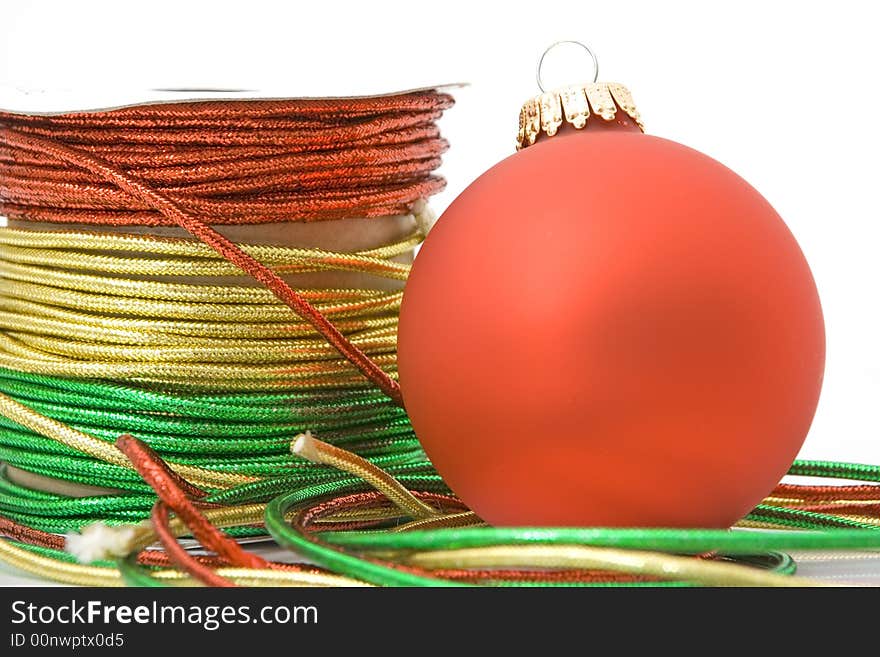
<point>575,105</point>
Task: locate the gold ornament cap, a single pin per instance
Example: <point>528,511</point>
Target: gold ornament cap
<point>576,105</point>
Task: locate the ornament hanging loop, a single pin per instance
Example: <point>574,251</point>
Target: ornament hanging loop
<point>539,68</point>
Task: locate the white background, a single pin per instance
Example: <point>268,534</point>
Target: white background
<point>785,93</point>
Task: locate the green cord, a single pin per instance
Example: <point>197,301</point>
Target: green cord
<point>62,514</point>
<point>181,424</point>
<point>270,406</point>
<point>804,519</point>
<point>834,469</point>
<point>133,574</point>
<point>684,541</point>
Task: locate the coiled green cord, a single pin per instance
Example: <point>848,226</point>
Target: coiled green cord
<point>61,514</point>
<point>196,424</point>
<point>245,433</point>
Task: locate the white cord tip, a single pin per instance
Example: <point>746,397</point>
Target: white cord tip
<point>100,542</point>
<point>304,445</point>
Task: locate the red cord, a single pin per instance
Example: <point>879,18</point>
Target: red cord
<point>177,554</point>
<point>156,473</point>
<point>231,162</point>
<point>867,492</point>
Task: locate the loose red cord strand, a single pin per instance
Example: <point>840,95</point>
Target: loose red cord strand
<point>828,493</point>
<point>172,495</point>
<point>178,555</point>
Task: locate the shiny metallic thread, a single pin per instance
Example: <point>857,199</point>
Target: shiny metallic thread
<point>108,335</point>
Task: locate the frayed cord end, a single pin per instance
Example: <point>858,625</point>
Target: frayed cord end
<point>304,445</point>
<point>101,542</point>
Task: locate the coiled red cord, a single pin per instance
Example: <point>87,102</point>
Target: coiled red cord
<point>229,162</point>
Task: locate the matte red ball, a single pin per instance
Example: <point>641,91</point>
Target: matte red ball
<point>611,329</point>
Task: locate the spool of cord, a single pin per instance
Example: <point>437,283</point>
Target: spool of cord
<point>181,377</point>
<point>115,322</point>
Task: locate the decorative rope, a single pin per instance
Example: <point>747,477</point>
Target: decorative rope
<point>209,385</point>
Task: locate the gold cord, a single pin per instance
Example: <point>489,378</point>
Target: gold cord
<point>318,451</point>
<point>633,562</point>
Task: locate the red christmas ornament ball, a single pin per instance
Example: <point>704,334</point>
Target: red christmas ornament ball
<point>611,329</point>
